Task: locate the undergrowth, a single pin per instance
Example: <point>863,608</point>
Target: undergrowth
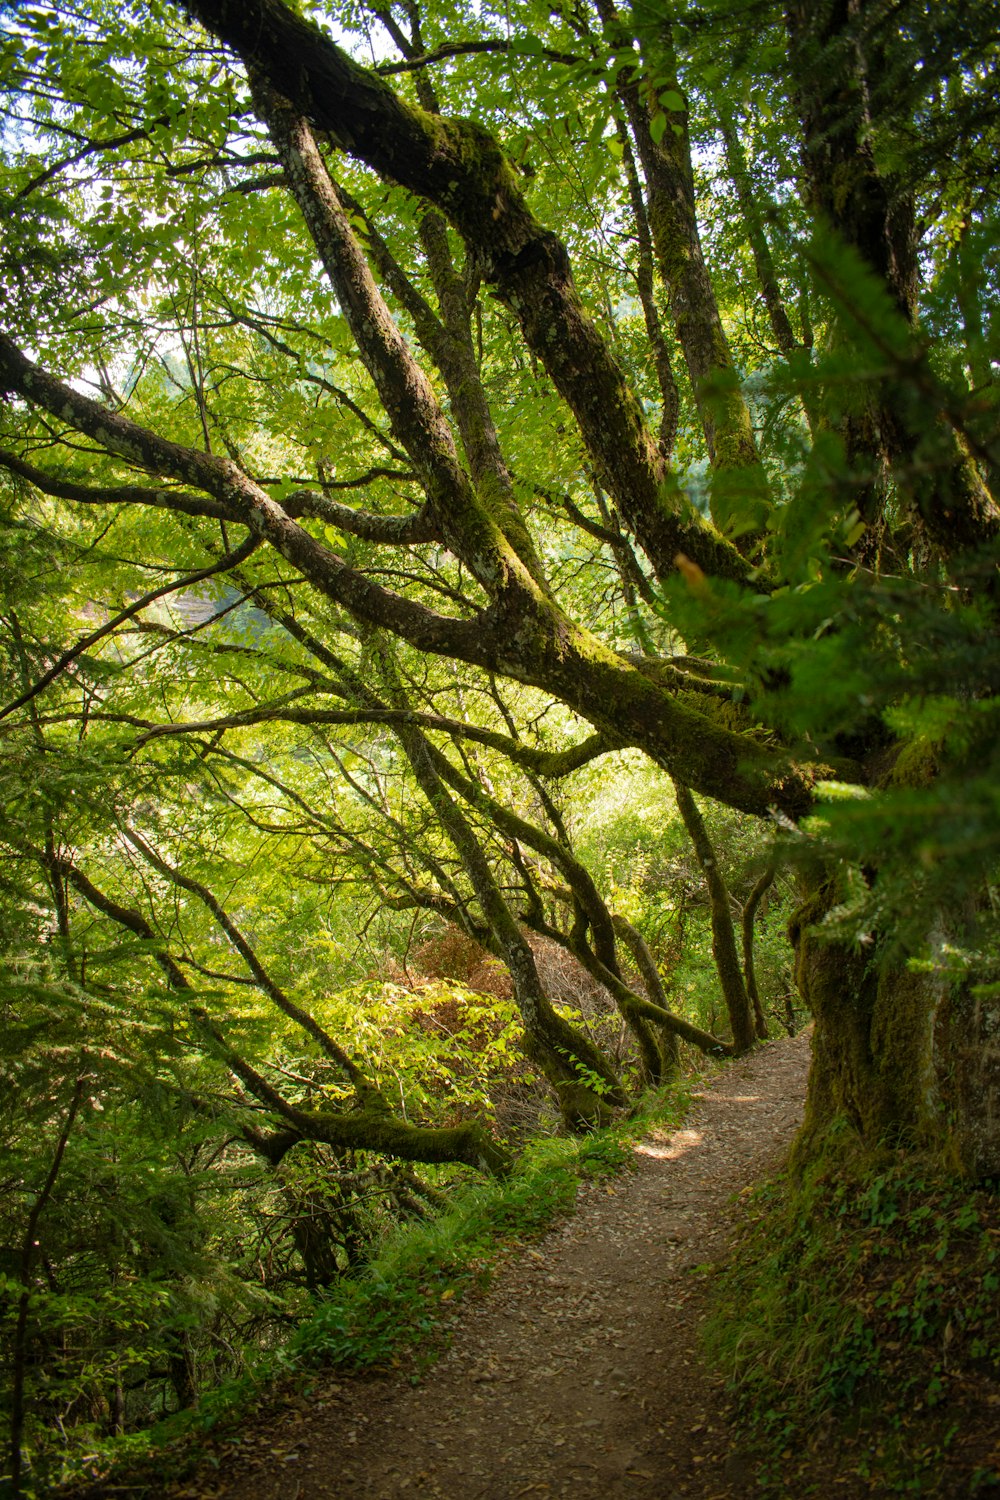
<point>401,1304</point>
<point>398,1301</point>
<point>858,1324</point>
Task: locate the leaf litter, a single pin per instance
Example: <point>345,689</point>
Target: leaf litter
<point>579,1372</point>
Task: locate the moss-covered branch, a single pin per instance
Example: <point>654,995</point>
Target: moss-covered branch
<point>366,1129</point>
<point>523,634</point>
<point>371,1127</point>
<point>458,166</point>
<point>551,763</point>
<point>404,390</point>
<point>116,494</point>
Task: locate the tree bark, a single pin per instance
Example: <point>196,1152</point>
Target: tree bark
<point>584,1082</point>
<point>908,1058</point>
<point>724,949</point>
<point>761,886</point>
<point>666,1040</point>
<point>459,167</point>
<point>834,54</point>
<point>522,635</point>
<point>753,225</point>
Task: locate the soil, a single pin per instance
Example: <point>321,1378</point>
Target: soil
<point>579,1372</point>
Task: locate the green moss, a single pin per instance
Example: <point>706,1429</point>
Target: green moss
<point>917,765</point>
<point>858,1326</point>
<point>906,1050</point>
<point>484,188</point>
<point>838,985</point>
<point>902,1032</point>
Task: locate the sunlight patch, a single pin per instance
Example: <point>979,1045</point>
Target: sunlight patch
<point>680,1142</point>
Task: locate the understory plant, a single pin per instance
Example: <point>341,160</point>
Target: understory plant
<point>858,1325</point>
<point>395,1298</point>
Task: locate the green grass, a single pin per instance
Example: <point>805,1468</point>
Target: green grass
<point>858,1323</point>
<point>398,1301</point>
<point>401,1304</point>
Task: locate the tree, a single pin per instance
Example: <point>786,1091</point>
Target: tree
<point>424,458</point>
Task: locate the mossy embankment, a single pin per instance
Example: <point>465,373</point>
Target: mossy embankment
<point>858,1323</point>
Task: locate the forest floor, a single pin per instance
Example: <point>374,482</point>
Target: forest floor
<point>579,1372</point>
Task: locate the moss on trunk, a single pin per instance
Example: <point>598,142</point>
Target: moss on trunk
<point>910,1056</point>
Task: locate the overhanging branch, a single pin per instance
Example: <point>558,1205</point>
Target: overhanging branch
<point>188,580</point>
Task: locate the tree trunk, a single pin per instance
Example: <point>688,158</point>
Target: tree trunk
<point>724,950</point>
<point>834,55</point>
<point>762,885</point>
<point>739,489</point>
<point>583,1080</point>
<point>753,228</point>
<point>907,1057</point>
<point>665,1041</point>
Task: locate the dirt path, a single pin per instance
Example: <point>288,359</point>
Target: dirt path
<point>578,1374</point>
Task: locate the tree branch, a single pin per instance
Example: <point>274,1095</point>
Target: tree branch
<point>458,166</point>
<point>551,763</point>
<point>469,49</point>
<point>366,1091</point>
<point>231,560</point>
<point>122,494</point>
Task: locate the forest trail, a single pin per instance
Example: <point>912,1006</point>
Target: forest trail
<point>579,1372</point>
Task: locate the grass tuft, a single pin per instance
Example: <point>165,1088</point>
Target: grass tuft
<point>402,1302</point>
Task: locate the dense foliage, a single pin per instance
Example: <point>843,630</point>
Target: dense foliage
<point>490,502</point>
